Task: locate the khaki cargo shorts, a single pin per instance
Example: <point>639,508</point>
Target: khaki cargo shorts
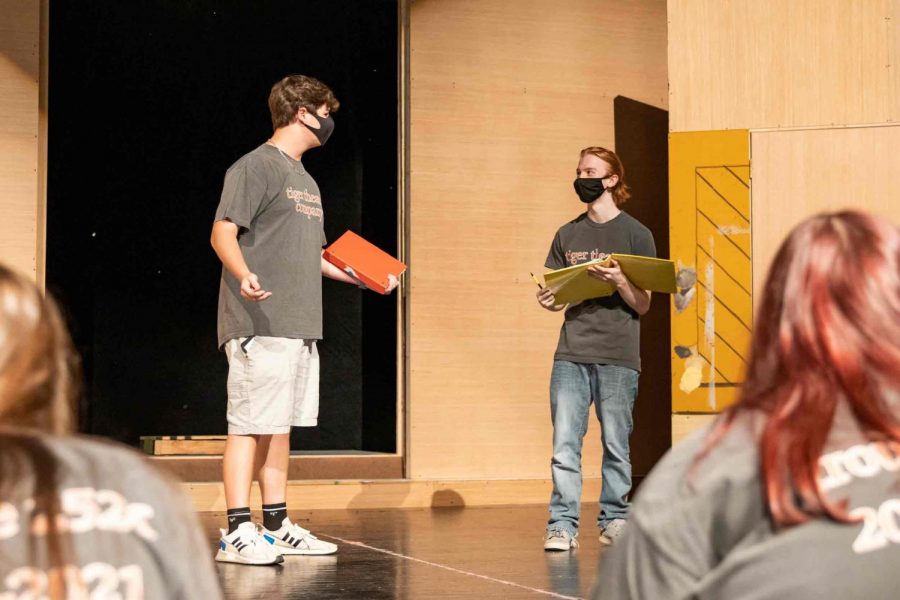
<point>273,384</point>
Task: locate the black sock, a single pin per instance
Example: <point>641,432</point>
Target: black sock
<point>274,515</point>
<point>236,516</point>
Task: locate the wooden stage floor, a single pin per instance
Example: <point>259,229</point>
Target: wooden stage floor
<point>493,552</point>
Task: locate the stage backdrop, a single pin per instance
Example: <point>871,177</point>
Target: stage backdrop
<point>151,102</point>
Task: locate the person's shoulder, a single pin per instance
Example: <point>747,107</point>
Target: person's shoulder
<point>258,158</point>
<point>670,473</point>
<point>108,462</point>
<point>682,478</point>
<point>635,226</point>
<point>570,226</point>
<point>85,448</point>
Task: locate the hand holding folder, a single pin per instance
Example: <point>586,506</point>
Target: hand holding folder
<point>573,284</point>
<point>365,262</point>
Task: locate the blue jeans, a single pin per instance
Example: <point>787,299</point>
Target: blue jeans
<point>612,390</point>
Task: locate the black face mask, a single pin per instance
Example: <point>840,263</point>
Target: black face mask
<point>326,127</point>
<point>589,188</point>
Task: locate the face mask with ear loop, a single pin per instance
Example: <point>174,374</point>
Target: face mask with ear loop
<point>589,188</point>
<point>326,127</point>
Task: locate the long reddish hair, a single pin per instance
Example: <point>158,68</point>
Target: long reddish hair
<point>827,330</point>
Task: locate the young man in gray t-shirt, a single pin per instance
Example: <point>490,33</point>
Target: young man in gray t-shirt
<point>597,360</point>
<point>269,234</point>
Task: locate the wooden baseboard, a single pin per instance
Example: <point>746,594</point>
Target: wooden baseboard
<point>685,424</point>
<point>301,467</point>
<point>178,445</point>
<point>319,495</point>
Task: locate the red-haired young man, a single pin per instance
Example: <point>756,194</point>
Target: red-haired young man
<point>597,359</point>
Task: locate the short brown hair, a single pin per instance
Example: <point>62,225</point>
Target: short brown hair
<point>621,191</point>
<point>294,91</point>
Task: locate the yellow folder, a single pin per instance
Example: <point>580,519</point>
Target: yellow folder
<point>574,284</point>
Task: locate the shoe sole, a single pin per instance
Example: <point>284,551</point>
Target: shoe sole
<point>555,548</point>
<point>298,552</point>
<point>559,546</point>
<point>290,550</point>
<point>228,557</point>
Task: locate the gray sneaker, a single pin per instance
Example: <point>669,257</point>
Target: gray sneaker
<point>613,531</point>
<point>559,539</point>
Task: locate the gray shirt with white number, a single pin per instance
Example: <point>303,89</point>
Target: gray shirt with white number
<point>127,531</point>
<point>278,208</point>
<point>714,539</point>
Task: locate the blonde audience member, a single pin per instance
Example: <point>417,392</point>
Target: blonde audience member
<point>79,517</point>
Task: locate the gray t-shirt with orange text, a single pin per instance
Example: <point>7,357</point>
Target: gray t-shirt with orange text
<point>278,208</point>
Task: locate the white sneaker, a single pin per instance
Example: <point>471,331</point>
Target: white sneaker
<point>293,539</point>
<point>612,532</point>
<point>246,546</point>
<point>559,539</point>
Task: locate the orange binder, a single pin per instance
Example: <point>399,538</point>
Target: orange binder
<point>370,264</point>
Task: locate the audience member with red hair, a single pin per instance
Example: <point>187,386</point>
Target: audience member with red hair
<point>793,492</point>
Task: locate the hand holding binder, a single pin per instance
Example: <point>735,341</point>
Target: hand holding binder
<point>610,273</point>
<point>393,281</point>
<point>374,268</point>
<point>573,284</point>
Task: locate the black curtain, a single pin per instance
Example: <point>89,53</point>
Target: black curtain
<point>150,102</point>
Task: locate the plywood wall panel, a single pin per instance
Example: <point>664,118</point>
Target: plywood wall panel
<point>19,134</point>
<point>503,96</point>
<point>735,64</point>
<point>799,173</point>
